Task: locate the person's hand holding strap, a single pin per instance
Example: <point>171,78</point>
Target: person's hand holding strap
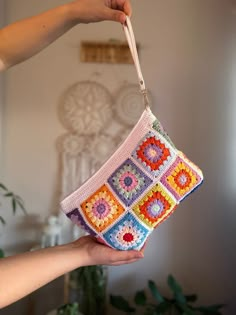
<point>23,39</point>
<point>86,11</point>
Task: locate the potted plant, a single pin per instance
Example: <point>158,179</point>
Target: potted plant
<point>87,292</point>
<point>178,304</point>
<point>69,309</point>
<point>16,202</point>
<point>87,286</point>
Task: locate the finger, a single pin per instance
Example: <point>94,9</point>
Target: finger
<point>114,5</point>
<point>122,5</point>
<point>125,262</point>
<point>114,15</point>
<point>119,256</point>
<point>127,8</point>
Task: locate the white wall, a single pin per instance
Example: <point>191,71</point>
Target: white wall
<point>185,60</point>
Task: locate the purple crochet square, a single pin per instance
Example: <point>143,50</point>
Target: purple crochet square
<point>129,182</point>
<point>77,219</point>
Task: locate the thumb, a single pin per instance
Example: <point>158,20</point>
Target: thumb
<point>115,15</point>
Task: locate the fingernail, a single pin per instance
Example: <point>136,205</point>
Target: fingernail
<point>123,19</point>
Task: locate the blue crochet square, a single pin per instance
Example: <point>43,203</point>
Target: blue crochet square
<point>128,233</point>
<point>129,182</point>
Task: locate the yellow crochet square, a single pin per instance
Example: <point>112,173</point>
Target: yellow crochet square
<point>155,206</point>
<point>179,172</point>
<point>181,178</point>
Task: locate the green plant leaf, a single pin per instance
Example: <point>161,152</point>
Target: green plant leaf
<point>3,187</point>
<point>121,304</point>
<point>68,309</point>
<point>13,203</point>
<point>211,309</point>
<point>20,204</point>
<point>163,307</point>
<point>2,220</point>
<point>140,298</point>
<point>187,310</point>
<point>9,194</point>
<point>173,284</point>
<point>2,253</point>
<point>176,289</point>
<point>18,198</point>
<point>155,293</point>
<point>191,298</point>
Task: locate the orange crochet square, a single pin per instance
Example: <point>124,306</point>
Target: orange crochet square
<point>153,152</point>
<point>101,209</point>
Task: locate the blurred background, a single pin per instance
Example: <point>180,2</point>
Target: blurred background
<point>187,52</point>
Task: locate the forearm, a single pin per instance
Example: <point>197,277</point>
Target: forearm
<point>21,40</point>
<point>25,273</point>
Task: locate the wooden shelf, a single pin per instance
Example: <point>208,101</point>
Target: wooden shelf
<point>105,52</point>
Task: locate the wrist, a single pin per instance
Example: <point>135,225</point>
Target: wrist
<point>66,14</point>
<point>70,257</point>
<point>71,12</point>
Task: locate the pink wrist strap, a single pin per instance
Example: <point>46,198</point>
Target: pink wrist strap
<point>133,49</point>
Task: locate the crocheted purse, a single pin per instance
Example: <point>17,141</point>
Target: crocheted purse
<point>139,186</point>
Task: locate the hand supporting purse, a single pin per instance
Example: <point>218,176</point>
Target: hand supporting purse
<point>139,186</point>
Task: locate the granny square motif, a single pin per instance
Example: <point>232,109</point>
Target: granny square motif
<point>156,205</point>
<point>127,233</point>
<point>139,186</point>
<point>136,189</point>
<point>180,179</point>
<point>129,182</point>
<point>101,209</point>
<point>153,154</point>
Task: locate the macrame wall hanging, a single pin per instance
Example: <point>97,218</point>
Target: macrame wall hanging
<point>96,123</point>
